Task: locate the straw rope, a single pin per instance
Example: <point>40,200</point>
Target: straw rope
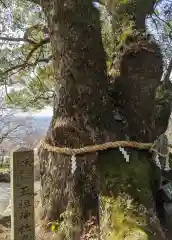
<point>99,147</point>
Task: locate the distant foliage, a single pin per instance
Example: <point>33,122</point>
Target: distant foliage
<point>26,58</point>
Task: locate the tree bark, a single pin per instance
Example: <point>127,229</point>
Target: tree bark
<point>81,116</point>
<point>140,64</point>
<point>133,11</point>
<point>139,61</point>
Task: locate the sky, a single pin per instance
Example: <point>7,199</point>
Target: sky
<point>46,112</point>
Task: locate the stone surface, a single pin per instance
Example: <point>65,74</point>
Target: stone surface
<point>22,183</point>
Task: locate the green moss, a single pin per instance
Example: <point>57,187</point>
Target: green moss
<point>119,219</point>
<point>125,182</point>
<point>163,95</point>
<point>69,223</point>
<point>118,176</point>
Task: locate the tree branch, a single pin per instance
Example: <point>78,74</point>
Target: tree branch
<point>3,3</point>
<point>5,135</point>
<point>165,22</point>
<point>38,2</point>
<point>37,45</point>
<point>11,39</point>
<point>166,78</point>
<point>26,64</point>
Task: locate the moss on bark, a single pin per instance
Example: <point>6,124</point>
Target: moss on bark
<point>136,180</point>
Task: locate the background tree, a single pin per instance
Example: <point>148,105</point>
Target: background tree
<point>7,127</point>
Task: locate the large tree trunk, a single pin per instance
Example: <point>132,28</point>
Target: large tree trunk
<point>83,112</point>
<point>139,62</point>
<point>81,116</point>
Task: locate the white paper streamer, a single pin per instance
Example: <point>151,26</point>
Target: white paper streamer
<point>167,165</point>
<point>74,166</point>
<point>126,155</point>
<point>157,162</point>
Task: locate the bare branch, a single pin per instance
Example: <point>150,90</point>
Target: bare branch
<point>164,21</point>
<point>11,39</point>
<point>166,78</point>
<point>38,2</point>
<point>3,3</point>
<point>6,91</point>
<point>6,134</point>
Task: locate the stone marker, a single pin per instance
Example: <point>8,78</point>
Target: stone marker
<point>22,185</point>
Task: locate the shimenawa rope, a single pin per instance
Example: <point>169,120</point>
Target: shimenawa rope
<point>100,147</point>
